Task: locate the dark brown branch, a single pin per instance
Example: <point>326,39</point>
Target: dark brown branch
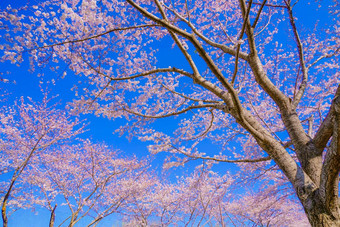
<point>303,84</point>
<point>289,116</point>
<point>197,77</point>
<point>195,157</point>
<point>223,47</point>
<point>173,29</point>
<point>97,36</point>
<point>162,22</point>
<point>258,14</point>
<point>270,5</point>
<point>154,71</point>
<point>189,98</point>
<point>264,159</point>
<point>174,113</point>
<point>52,218</point>
<point>239,44</point>
<point>324,57</point>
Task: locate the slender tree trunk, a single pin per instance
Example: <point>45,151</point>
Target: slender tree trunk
<point>3,213</point>
<point>5,200</point>
<point>52,218</point>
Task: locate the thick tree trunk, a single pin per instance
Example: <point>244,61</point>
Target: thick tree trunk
<point>317,212</point>
<point>323,220</point>
<point>319,218</point>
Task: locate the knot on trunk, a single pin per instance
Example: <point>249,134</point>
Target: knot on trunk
<point>304,191</point>
<point>336,102</point>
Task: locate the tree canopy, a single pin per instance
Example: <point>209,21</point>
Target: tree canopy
<point>253,84</point>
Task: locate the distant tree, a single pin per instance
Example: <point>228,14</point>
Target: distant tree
<point>207,199</point>
<point>26,131</point>
<point>43,163</point>
<point>90,179</point>
<point>248,79</point>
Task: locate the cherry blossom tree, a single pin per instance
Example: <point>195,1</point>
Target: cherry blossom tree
<point>90,179</point>
<point>26,130</point>
<point>206,198</point>
<point>268,103</point>
<point>45,163</point>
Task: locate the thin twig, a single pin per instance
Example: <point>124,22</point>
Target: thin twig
<point>259,13</point>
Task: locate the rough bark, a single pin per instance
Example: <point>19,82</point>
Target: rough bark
<point>316,181</point>
<point>317,213</point>
<point>322,206</point>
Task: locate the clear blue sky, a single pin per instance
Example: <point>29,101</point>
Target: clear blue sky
<point>25,83</point>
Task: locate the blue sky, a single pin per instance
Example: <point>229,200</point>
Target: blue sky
<point>25,83</point>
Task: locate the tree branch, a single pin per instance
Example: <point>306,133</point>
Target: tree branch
<point>331,167</point>
<point>174,113</point>
<point>239,42</point>
<point>52,217</point>
<point>195,157</point>
<point>189,98</point>
<point>15,176</point>
<point>270,5</point>
<point>153,71</point>
<point>156,19</point>
<point>97,36</point>
<point>259,13</point>
<point>325,130</point>
<point>224,48</point>
<point>301,181</point>
<point>323,57</point>
<point>303,85</point>
<point>203,54</point>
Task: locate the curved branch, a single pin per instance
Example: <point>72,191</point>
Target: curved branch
<point>174,113</point>
<point>289,116</point>
<point>153,71</point>
<point>301,181</point>
<point>197,77</point>
<point>97,36</point>
<point>234,103</point>
<point>323,57</point>
<point>189,98</point>
<point>331,167</point>
<point>270,5</point>
<point>195,157</point>
<point>255,63</point>
<point>239,43</point>
<point>264,159</point>
<point>156,19</point>
<point>173,29</point>
<point>238,113</point>
<point>325,130</point>
<point>258,14</point>
<point>303,85</point>
<point>224,48</point>
<point>207,129</point>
